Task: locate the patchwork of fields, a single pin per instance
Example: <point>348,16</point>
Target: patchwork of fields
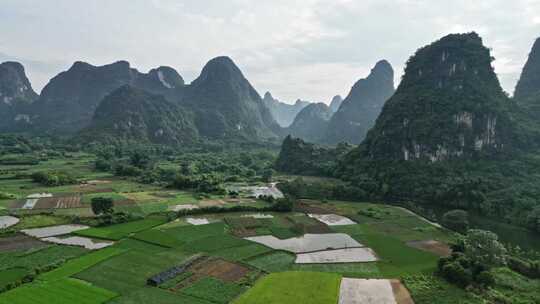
<point>230,257</point>
<point>331,252</point>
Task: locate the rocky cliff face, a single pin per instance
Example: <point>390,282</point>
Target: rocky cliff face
<point>335,103</point>
<point>68,102</point>
<point>528,86</point>
<point>360,108</point>
<point>16,95</point>
<point>227,106</point>
<point>311,123</point>
<point>131,114</point>
<point>448,105</point>
<point>283,113</point>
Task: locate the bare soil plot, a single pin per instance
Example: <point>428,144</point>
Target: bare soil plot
<point>177,208</point>
<point>19,242</point>
<point>53,230</point>
<point>308,242</point>
<point>197,220</point>
<point>346,255</point>
<point>8,221</point>
<point>220,269</point>
<point>372,291</point>
<point>401,293</point>
<point>239,200</point>
<point>59,202</point>
<point>439,248</point>
<point>212,202</point>
<point>314,207</point>
<point>332,219</point>
<point>85,242</point>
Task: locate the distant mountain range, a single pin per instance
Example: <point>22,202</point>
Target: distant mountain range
<point>284,113</point>
<point>347,120</point>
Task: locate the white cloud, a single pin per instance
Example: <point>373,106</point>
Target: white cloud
<point>311,49</point>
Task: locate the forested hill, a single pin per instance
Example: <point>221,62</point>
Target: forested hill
<point>16,95</point>
<point>448,105</point>
<point>528,85</point>
<point>358,111</point>
<point>129,114</point>
<point>226,105</point>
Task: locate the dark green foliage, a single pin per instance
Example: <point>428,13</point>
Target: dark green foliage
<point>360,108</point>
<point>529,269</point>
<point>102,205</point>
<point>456,220</point>
<point>16,97</point>
<point>68,102</point>
<point>130,114</point>
<point>449,104</point>
<point>226,106</point>
<point>53,178</point>
<point>299,157</point>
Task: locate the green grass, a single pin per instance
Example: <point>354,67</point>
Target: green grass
<point>213,290</point>
<point>117,232</point>
<point>424,289</point>
<point>38,258</point>
<point>276,261</point>
<point>241,253</point>
<point>12,275</point>
<point>156,295</point>
<point>128,272</point>
<point>65,291</point>
<point>358,270</point>
<point>87,198</point>
<point>40,220</point>
<point>158,237</point>
<point>397,259</point>
<point>79,264</point>
<point>215,243</point>
<point>293,287</point>
<point>191,233</point>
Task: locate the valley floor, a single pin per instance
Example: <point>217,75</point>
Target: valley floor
<point>322,252</point>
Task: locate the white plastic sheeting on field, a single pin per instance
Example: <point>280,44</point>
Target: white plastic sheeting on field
<point>372,291</point>
<point>258,215</point>
<point>332,219</point>
<point>197,220</point>
<point>32,199</point>
<point>308,242</point>
<point>183,207</point>
<point>78,241</point>
<point>347,255</point>
<point>53,230</point>
<point>8,221</point>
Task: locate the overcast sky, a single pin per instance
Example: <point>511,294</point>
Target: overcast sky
<point>309,49</point>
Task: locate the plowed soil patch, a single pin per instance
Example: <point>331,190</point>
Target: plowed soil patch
<point>19,242</point>
<point>401,294</point>
<point>439,248</point>
<point>314,207</point>
<point>220,269</point>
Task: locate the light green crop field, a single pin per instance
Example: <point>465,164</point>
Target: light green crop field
<point>119,231</point>
<point>213,290</point>
<point>292,288</point>
<point>39,257</point>
<point>64,291</point>
<point>128,272</point>
<point>77,265</point>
